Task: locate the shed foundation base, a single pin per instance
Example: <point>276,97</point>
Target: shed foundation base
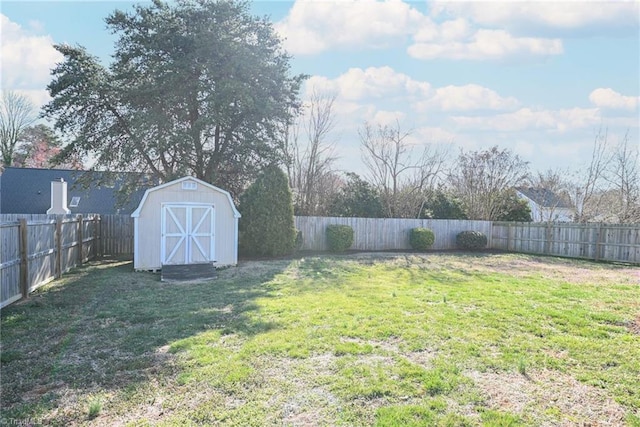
<point>184,272</point>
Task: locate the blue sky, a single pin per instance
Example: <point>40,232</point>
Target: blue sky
<point>539,78</point>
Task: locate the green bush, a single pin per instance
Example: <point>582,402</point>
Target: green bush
<point>267,226</point>
<point>421,239</point>
<point>471,240</point>
<point>339,237</point>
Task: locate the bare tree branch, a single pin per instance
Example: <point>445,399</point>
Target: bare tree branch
<point>16,114</point>
<point>623,176</point>
<point>401,181</point>
<point>591,183</point>
<point>310,163</point>
<point>482,179</point>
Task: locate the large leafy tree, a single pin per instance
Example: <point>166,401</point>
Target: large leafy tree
<point>196,87</point>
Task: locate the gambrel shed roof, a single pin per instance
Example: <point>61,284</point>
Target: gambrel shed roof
<point>136,213</point>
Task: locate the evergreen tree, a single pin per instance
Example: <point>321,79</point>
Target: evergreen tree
<point>267,226</point>
<point>514,208</point>
<point>357,198</point>
<point>196,87</point>
<point>440,205</point>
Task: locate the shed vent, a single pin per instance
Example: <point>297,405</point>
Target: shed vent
<point>189,185</point>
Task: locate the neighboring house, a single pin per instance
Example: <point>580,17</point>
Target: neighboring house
<point>546,205</point>
<point>28,191</point>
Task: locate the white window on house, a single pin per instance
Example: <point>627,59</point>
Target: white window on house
<point>75,201</point>
<point>189,185</point>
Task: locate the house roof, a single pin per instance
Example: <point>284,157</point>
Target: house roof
<point>544,197</point>
<point>28,191</point>
<point>136,213</point>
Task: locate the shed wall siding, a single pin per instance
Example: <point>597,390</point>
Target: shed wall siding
<point>149,224</point>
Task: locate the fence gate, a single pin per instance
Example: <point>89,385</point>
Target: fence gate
<point>187,234</point>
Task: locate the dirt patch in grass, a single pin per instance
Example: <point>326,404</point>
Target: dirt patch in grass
<point>298,389</point>
<point>253,269</point>
<point>515,265</point>
<point>550,398</point>
<point>549,268</point>
<point>422,358</point>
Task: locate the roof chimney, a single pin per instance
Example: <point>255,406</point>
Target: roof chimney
<point>58,198</point>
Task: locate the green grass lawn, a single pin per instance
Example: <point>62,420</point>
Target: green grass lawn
<point>365,339</point>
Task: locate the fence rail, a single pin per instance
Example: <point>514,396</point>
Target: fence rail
<point>35,249</point>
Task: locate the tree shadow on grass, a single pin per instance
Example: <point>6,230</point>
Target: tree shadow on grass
<point>104,326</point>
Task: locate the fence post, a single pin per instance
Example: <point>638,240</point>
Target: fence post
<point>98,236</point>
<point>58,242</point>
<point>92,253</point>
<point>24,259</point>
<point>547,239</point>
<point>80,237</point>
<point>598,244</point>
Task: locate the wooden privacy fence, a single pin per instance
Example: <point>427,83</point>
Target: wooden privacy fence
<point>599,242</point>
<point>116,235</point>
<point>380,234</point>
<point>36,251</point>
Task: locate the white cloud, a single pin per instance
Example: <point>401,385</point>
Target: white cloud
<point>315,26</point>
<point>539,16</point>
<point>435,135</point>
<point>384,84</point>
<point>527,119</point>
<point>609,98</point>
<point>482,44</point>
<point>387,118</point>
<point>26,58</point>
<point>38,97</point>
<point>466,98</point>
<point>452,30</point>
<point>372,83</point>
<point>312,27</point>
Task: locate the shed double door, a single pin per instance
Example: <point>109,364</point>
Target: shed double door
<point>187,234</point>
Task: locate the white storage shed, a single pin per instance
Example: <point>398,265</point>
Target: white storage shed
<point>186,221</point>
